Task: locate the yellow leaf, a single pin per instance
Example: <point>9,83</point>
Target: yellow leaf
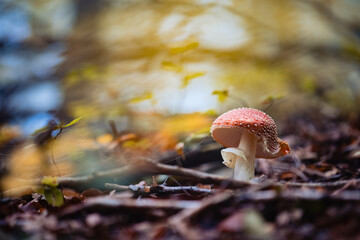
<point>141,144</point>
<point>180,48</point>
<point>72,122</point>
<point>222,95</point>
<point>169,66</point>
<point>191,76</point>
<point>50,181</point>
<point>143,97</point>
<point>104,139</point>
<point>129,144</point>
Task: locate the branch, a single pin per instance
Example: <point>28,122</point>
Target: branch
<point>147,167</point>
<point>143,189</point>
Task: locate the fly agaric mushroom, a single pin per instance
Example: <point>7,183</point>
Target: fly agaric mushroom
<point>247,133</point>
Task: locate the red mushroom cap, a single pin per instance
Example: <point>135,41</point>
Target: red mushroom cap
<point>227,130</point>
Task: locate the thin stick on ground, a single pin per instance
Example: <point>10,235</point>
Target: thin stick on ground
<point>147,167</point>
<point>142,189</point>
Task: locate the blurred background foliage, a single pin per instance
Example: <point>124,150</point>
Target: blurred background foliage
<point>148,74</point>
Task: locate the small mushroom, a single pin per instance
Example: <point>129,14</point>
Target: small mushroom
<point>247,133</point>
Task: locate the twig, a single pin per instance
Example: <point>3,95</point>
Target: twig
<point>347,185</point>
<point>179,184</point>
<point>147,167</point>
<point>142,189</point>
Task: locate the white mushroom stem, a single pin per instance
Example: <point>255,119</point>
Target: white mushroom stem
<point>242,158</point>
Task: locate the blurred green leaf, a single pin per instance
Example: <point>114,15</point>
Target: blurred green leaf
<point>50,181</point>
<point>72,122</point>
<point>53,196</point>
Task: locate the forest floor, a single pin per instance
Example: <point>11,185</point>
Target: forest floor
<point>312,193</point>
